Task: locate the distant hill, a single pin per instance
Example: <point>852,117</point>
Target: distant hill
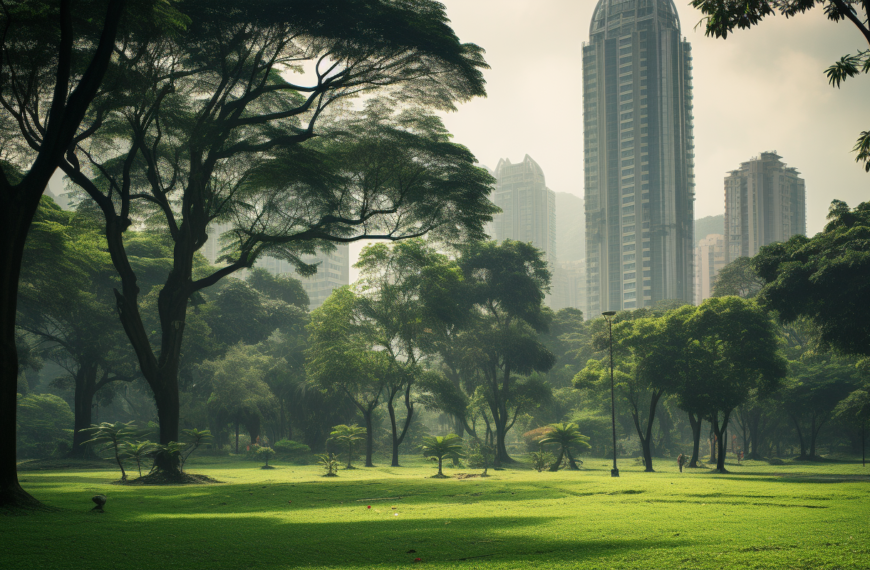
<point>706,226</point>
<point>570,227</point>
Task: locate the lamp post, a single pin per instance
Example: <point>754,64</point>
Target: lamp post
<point>609,316</point>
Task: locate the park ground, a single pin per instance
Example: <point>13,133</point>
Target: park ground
<point>799,515</point>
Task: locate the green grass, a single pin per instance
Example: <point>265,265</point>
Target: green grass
<point>792,516</point>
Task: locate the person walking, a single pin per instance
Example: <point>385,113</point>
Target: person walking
<point>680,461</point>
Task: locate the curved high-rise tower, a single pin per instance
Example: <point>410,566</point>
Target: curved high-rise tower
<point>639,181</point>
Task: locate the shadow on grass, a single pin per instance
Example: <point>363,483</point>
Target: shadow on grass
<point>226,542</point>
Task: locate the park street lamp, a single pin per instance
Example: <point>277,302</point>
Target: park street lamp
<point>609,316</point>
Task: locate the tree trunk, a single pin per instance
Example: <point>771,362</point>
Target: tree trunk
<point>555,466</point>
<point>800,433</point>
<point>237,436</point>
<point>17,209</point>
<point>18,204</point>
<point>720,432</point>
<point>646,440</point>
<point>572,463</point>
<point>369,437</point>
<point>395,433</point>
<point>696,438</point>
<point>439,465</point>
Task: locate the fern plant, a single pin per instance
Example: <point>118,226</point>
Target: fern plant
<point>112,438</point>
<point>138,452</point>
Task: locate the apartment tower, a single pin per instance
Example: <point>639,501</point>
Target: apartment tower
<point>765,202</point>
<point>528,207</point>
<point>639,156</point>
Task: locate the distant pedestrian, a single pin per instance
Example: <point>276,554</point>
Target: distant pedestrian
<point>680,461</point>
<point>739,457</point>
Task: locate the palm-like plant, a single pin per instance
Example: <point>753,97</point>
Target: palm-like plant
<point>349,436</point>
<point>329,462</point>
<point>441,446</point>
<point>195,438</point>
<point>112,437</point>
<point>566,436</point>
<point>137,451</point>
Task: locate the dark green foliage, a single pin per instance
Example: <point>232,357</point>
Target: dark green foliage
<point>738,278</point>
<point>824,278</point>
<point>281,288</point>
<point>290,449</point>
<point>44,425</point>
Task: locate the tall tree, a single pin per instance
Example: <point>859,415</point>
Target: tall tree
<point>240,394</point>
<point>722,17</point>
<point>341,358</point>
<point>506,286</point>
<point>390,303</point>
<point>246,154</point>
<point>815,386</point>
<point>735,350</point>
<point>65,280</point>
<point>53,58</point>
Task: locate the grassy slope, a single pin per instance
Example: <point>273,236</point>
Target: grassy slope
<point>794,516</point>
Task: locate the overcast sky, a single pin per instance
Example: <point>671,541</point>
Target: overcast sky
<point>761,89</point>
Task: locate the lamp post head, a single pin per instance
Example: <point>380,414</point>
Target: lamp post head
<point>608,314</point>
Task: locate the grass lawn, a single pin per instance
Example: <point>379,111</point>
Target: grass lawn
<point>791,516</point>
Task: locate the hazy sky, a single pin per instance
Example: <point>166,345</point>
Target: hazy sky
<point>761,89</point>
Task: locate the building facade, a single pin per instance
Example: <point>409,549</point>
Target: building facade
<point>638,156</point>
<point>765,202</point>
<point>710,258</point>
<point>333,271</point>
<point>528,207</point>
<point>568,287</point>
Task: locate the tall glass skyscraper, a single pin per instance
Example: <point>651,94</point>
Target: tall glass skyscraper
<point>639,156</point>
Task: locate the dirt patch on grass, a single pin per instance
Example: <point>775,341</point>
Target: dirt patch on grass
<point>163,478</point>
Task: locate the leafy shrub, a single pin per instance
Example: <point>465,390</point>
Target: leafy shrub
<point>45,424</point>
<point>291,449</point>
<point>532,437</point>
<point>264,454</point>
<point>775,461</point>
<point>542,460</point>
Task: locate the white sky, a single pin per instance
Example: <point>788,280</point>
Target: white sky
<point>761,89</point>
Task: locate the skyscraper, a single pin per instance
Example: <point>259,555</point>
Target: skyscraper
<point>765,202</point>
<point>639,156</point>
<point>710,257</point>
<point>528,206</point>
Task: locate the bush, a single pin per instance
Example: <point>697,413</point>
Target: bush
<point>775,461</point>
<point>532,437</point>
<point>45,424</point>
<point>289,449</point>
<point>541,460</point>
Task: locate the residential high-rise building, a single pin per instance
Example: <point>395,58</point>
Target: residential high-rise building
<point>568,287</point>
<point>710,257</point>
<point>528,207</point>
<point>639,156</point>
<point>765,202</point>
